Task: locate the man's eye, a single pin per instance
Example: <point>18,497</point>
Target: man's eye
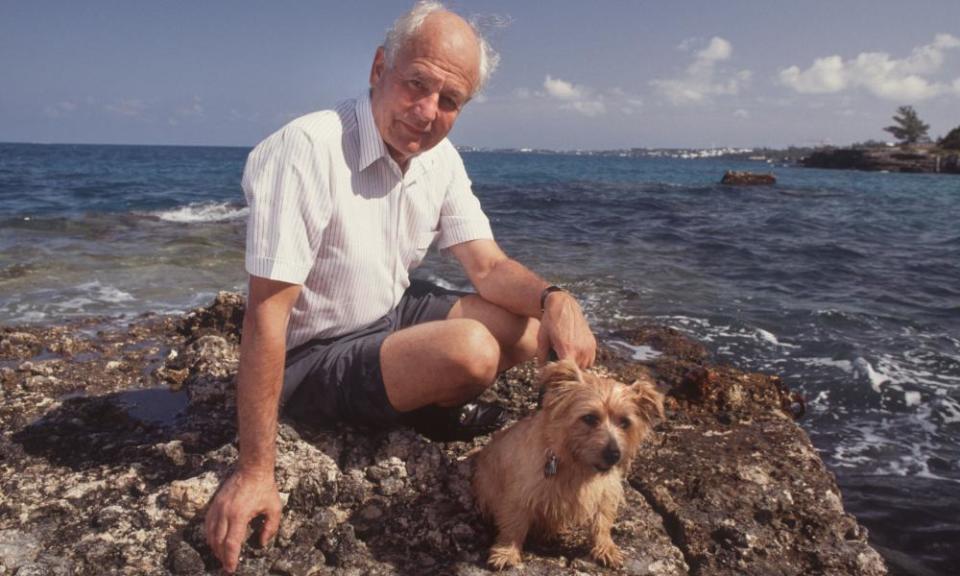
<point>449,104</point>
<point>416,84</point>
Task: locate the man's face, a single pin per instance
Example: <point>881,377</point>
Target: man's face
<point>416,101</point>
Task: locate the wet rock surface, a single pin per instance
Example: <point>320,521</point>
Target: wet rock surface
<point>115,434</point>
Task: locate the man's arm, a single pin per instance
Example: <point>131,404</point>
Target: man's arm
<point>251,490</point>
<point>512,286</point>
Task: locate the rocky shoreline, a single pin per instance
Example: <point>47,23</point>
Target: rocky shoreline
<point>913,160</point>
<point>116,433</point>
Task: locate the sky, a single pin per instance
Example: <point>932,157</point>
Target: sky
<point>585,75</point>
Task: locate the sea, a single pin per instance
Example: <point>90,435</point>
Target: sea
<point>845,283</point>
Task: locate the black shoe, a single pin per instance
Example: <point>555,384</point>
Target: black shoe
<point>458,424</point>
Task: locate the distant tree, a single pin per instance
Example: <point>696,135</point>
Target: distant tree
<point>909,129</point>
<point>868,144</point>
<point>952,140</point>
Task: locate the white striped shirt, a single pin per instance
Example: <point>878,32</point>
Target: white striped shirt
<point>330,210</point>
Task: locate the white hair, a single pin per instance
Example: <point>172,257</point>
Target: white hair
<point>406,26</point>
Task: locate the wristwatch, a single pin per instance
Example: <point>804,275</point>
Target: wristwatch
<point>546,292</point>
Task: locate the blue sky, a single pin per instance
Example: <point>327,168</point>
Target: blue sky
<point>589,75</point>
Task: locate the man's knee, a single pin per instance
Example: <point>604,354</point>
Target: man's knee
<point>477,354</point>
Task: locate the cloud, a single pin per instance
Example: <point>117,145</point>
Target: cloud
<point>562,90</point>
<point>702,78</point>
<point>575,97</point>
<point>130,107</point>
<point>741,113</point>
<point>904,79</point>
<point>60,109</point>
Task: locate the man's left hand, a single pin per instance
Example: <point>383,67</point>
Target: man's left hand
<point>564,329</point>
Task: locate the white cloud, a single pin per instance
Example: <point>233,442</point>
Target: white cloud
<point>702,78</point>
<point>741,113</point>
<point>60,109</point>
<point>904,79</point>
<point>130,107</point>
<point>575,97</point>
<point>563,90</point>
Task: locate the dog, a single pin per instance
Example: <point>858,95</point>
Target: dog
<point>562,467</point>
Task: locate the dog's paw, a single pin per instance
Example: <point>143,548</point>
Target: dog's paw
<point>608,554</point>
<point>503,557</point>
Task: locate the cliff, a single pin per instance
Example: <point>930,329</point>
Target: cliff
<point>918,159</point>
<point>115,435</point>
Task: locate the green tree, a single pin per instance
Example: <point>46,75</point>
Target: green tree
<point>952,140</point>
<point>909,128</point>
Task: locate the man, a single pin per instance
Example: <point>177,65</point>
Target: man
<point>343,204</point>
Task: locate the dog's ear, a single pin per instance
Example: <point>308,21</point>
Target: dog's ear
<point>648,400</point>
<point>558,378</point>
<point>556,373</point>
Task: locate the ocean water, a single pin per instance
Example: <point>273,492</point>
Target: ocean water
<point>847,284</point>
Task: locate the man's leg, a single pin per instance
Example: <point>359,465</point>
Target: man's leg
<point>516,335</point>
<point>449,362</point>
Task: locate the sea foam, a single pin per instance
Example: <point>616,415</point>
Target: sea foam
<point>203,212</point>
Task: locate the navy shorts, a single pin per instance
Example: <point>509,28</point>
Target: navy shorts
<point>339,379</point>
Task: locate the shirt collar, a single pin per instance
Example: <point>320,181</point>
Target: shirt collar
<point>372,147</point>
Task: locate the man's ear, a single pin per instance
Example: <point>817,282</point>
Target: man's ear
<point>379,65</point>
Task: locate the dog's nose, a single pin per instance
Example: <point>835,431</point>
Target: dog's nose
<point>611,454</point>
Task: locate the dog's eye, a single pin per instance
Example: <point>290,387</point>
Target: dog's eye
<point>590,420</point>
<point>625,423</point>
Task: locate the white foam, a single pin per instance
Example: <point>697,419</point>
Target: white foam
<point>638,353</point>
<point>105,292</point>
<point>768,336</point>
<point>863,368</point>
<point>203,212</point>
<point>844,365</point>
<point>911,398</point>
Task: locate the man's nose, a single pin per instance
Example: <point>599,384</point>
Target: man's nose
<point>428,106</point>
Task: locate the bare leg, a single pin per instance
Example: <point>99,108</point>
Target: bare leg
<point>451,361</point>
<point>516,335</point>
<point>446,363</point>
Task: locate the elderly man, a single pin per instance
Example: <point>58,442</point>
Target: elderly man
<point>343,204</point>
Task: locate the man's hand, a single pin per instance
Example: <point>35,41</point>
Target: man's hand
<point>243,497</point>
<point>564,329</point>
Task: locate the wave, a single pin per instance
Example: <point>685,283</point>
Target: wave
<point>203,212</point>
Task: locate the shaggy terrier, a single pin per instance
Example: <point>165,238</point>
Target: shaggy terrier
<point>562,467</point>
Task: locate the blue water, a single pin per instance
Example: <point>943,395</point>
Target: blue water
<point>845,283</point>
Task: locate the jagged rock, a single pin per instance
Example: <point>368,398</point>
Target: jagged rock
<point>917,159</point>
<point>729,485</point>
<point>736,178</point>
<point>17,549</point>
<point>189,497</point>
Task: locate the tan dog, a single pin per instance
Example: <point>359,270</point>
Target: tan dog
<point>562,466</point>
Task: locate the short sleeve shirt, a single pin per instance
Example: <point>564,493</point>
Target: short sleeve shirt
<point>331,211</point>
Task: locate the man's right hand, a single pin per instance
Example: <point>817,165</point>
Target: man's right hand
<point>243,497</point>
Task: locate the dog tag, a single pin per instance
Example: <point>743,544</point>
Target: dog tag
<point>550,468</point>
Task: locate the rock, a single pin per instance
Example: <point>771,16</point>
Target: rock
<point>729,484</point>
<point>189,497</point>
<point>736,178</point>
<point>184,559</point>
<point>17,549</point>
<point>888,159</point>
